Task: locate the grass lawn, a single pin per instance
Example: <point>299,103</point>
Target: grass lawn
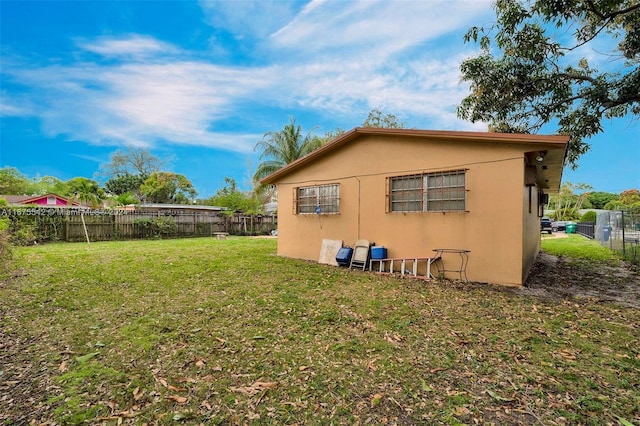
<point>225,332</point>
<point>577,246</point>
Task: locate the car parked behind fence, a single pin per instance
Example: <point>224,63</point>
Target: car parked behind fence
<point>559,225</point>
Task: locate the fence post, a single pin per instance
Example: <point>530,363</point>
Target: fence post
<point>623,242</point>
<point>611,234</point>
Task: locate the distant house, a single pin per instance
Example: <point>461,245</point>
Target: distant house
<point>46,200</point>
<point>413,191</point>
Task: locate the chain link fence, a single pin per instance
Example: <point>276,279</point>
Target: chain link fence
<point>620,231</point>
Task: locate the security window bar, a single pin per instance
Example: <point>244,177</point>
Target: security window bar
<point>318,199</point>
<point>430,192</point>
<point>406,193</point>
<point>445,192</point>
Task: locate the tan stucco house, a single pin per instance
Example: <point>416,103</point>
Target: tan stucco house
<point>412,191</point>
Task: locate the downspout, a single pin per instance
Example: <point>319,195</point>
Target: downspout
<point>358,207</point>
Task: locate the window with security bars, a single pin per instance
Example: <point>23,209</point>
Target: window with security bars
<point>429,192</point>
<point>317,199</point>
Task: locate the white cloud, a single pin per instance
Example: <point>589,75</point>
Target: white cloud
<point>349,57</point>
<point>133,46</point>
<point>139,103</point>
<point>90,158</point>
<point>375,27</point>
<point>10,109</point>
<point>248,18</point>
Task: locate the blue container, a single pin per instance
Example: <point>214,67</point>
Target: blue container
<point>343,257</point>
<point>378,252</point>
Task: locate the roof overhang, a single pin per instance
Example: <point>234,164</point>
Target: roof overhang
<point>549,164</point>
<point>554,146</point>
<point>31,199</point>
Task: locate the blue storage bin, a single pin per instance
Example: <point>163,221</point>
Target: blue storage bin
<point>344,256</point>
<point>378,252</point>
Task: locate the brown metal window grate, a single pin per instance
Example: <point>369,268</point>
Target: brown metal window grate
<point>429,192</point>
<point>406,193</point>
<point>317,199</point>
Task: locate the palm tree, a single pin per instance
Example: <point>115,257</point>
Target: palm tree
<point>85,190</point>
<point>283,147</point>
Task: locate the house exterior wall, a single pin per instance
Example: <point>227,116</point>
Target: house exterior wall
<point>531,230</point>
<point>497,228</point>
<point>43,202</point>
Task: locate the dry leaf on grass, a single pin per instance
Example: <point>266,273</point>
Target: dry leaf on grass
<point>461,411</point>
<point>371,365</point>
<point>567,354</point>
<point>161,380</point>
<point>498,397</point>
<point>375,399</point>
<point>255,388</point>
<point>177,398</point>
<point>137,393</point>
<point>392,338</point>
<point>185,380</point>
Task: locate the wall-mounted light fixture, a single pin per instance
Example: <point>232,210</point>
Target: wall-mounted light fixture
<point>541,156</point>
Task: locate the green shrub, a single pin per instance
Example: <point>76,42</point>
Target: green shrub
<point>5,243</point>
<point>156,227</point>
<point>565,214</point>
<point>23,232</point>
<point>28,225</point>
<point>589,216</point>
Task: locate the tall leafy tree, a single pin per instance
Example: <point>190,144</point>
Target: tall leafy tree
<point>128,169</point>
<point>378,118</point>
<point>132,161</point>
<point>630,198</point>
<point>50,184</point>
<point>167,187</point>
<point>331,135</point>
<point>283,147</point>
<point>525,78</point>
<point>568,201</point>
<point>375,118</point>
<point>12,182</point>
<point>125,184</point>
<point>599,199</point>
<point>233,198</point>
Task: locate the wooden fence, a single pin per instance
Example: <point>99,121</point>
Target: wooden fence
<point>104,225</point>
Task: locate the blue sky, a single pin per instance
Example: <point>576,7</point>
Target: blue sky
<point>201,82</point>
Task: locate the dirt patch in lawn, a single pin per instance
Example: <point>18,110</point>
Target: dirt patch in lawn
<point>568,278</point>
